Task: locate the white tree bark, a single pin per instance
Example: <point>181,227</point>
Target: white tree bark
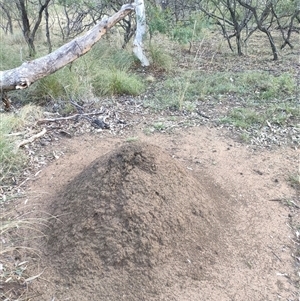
<point>29,72</point>
<point>138,48</point>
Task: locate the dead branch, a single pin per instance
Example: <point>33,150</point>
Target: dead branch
<point>5,101</point>
<point>32,138</point>
<point>29,72</point>
<point>46,120</point>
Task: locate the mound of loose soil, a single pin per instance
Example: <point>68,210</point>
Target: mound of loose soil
<point>132,226</point>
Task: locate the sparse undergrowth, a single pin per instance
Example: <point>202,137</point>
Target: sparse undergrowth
<point>255,88</point>
<point>105,70</point>
<point>12,125</point>
<point>294,180</point>
<point>248,98</point>
<point>245,96</point>
<point>14,241</point>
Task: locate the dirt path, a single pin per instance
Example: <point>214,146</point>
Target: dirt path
<point>253,258</point>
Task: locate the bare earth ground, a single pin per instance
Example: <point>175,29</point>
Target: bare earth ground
<point>187,213</point>
<point>247,247</point>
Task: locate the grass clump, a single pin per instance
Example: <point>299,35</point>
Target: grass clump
<point>294,180</point>
<point>111,72</point>
<point>159,126</point>
<point>258,114</point>
<point>132,139</point>
<point>71,82</point>
<point>105,70</point>
<point>12,160</point>
<point>283,113</point>
<point>171,94</point>
<point>9,59</point>
<point>160,59</point>
<point>47,88</point>
<point>16,231</point>
<point>106,56</point>
<point>9,159</point>
<point>116,82</point>
<point>253,84</point>
<point>244,118</point>
<point>216,84</point>
<point>267,86</point>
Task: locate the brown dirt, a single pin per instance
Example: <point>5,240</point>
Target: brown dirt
<point>186,216</point>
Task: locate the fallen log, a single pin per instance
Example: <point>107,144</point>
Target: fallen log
<point>29,72</point>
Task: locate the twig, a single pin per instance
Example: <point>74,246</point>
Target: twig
<point>297,206</point>
<point>67,118</point>
<point>77,106</point>
<point>15,134</point>
<point>282,200</point>
<point>270,126</point>
<point>275,255</point>
<point>32,138</point>
<point>24,182</point>
<point>203,115</point>
<point>6,102</point>
<point>33,277</point>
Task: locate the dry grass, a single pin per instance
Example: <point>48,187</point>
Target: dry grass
<point>17,231</point>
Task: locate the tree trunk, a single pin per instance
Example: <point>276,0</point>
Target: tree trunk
<point>140,32</point>
<point>9,26</point>
<point>272,43</point>
<point>48,30</point>
<point>260,26</point>
<point>29,72</point>
<point>26,27</point>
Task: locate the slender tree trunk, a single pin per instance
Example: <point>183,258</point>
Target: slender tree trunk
<point>29,34</point>
<point>272,43</point>
<point>140,32</point>
<point>260,26</point>
<point>48,30</point>
<point>26,27</point>
<point>238,43</point>
<point>9,27</point>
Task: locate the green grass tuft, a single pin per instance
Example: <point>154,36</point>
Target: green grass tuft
<point>244,118</point>
<point>11,159</point>
<point>160,59</point>
<point>103,71</point>
<point>254,84</point>
<point>10,59</point>
<point>117,82</point>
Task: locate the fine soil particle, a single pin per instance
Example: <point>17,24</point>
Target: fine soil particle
<point>181,217</point>
<point>131,224</point>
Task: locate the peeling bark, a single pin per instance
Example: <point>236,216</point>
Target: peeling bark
<point>29,72</point>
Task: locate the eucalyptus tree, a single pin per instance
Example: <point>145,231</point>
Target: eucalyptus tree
<point>287,16</point>
<point>239,19</point>
<point>231,17</point>
<point>30,23</point>
<point>75,17</point>
<point>6,17</point>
